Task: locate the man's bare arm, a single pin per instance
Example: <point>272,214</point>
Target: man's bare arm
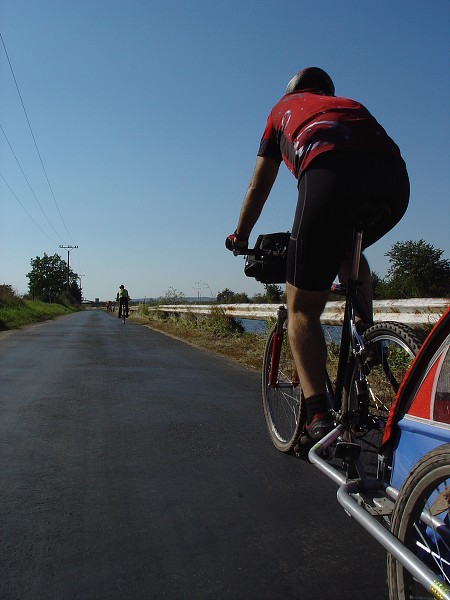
<point>263,178</point>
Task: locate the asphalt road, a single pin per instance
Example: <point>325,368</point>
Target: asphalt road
<point>134,466</point>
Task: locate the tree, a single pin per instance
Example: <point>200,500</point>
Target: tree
<point>173,296</point>
<point>417,270</point>
<point>7,292</point>
<point>226,296</point>
<point>75,291</point>
<point>273,295</point>
<point>48,279</point>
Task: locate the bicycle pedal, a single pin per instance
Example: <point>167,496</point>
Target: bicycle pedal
<point>347,451</point>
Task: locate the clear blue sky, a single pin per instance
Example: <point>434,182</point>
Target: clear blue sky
<point>148,115</point>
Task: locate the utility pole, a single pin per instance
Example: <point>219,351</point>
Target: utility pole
<point>68,248</point>
<point>79,279</point>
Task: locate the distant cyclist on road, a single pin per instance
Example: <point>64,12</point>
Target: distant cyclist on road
<point>123,298</point>
<point>341,157</point>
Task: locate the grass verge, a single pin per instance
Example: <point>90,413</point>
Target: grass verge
<point>16,313</point>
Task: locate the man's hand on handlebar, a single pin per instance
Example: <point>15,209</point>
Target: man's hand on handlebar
<point>236,243</point>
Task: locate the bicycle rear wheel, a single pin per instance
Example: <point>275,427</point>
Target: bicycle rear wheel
<point>427,488</point>
<point>282,401</point>
<point>389,349</point>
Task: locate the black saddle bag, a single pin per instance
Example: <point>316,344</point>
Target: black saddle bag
<point>270,267</point>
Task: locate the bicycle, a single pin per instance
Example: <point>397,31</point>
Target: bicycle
<point>405,505</point>
<point>367,373</point>
<point>123,309</point>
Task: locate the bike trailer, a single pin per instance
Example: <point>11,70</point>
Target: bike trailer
<point>420,419</point>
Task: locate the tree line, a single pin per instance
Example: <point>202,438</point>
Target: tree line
<point>416,270</point>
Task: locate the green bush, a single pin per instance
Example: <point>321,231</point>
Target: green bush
<point>219,323</point>
<point>7,294</point>
<point>15,312</point>
<point>142,310</point>
<point>216,322</point>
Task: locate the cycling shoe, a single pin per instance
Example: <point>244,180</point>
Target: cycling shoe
<point>321,424</point>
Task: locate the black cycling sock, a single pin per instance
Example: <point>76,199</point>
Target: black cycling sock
<point>316,404</point>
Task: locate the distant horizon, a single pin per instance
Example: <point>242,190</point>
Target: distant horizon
<point>191,299</point>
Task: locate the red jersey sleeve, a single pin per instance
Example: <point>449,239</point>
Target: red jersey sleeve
<point>269,145</point>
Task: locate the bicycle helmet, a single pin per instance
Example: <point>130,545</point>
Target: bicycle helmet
<point>311,78</point>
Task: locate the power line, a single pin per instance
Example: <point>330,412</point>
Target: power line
<point>29,185</point>
<point>34,139</point>
<point>16,197</point>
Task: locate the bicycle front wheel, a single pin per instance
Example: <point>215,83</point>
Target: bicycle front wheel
<point>282,399</point>
<point>389,349</point>
<point>421,521</point>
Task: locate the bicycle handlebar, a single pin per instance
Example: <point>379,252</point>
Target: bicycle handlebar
<point>258,252</point>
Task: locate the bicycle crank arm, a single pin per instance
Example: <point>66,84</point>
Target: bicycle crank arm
<point>323,465</point>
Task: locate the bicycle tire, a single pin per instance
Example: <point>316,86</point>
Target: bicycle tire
<point>389,349</point>
<point>428,479</point>
<point>282,403</point>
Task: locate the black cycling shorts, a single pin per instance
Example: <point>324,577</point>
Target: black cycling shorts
<point>330,191</point>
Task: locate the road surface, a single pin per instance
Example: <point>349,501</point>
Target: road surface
<point>134,466</point>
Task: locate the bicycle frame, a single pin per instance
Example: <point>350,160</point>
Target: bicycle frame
<point>350,338</point>
<point>276,348</point>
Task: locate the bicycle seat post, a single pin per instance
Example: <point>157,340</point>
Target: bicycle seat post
<point>356,256</point>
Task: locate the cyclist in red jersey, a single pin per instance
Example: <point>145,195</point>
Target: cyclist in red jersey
<point>341,157</point>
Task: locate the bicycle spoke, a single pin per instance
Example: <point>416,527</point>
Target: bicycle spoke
<point>421,521</point>
<point>281,402</point>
